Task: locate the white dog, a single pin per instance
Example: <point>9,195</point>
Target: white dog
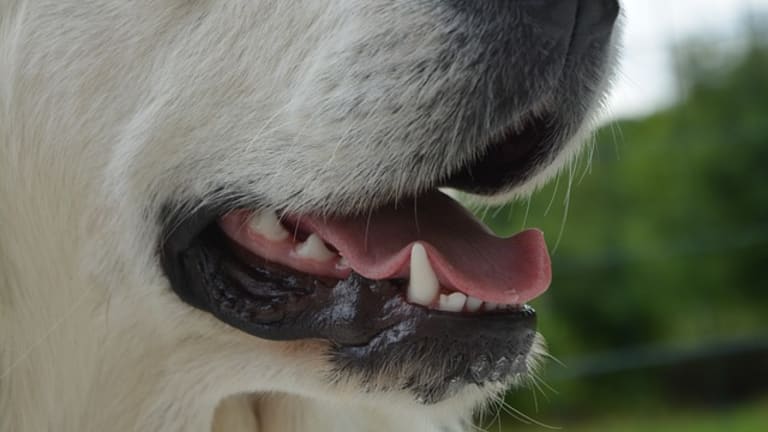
<point>224,214</point>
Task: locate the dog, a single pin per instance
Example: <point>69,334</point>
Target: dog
<point>230,215</point>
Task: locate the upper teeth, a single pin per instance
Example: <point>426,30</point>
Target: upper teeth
<point>313,248</point>
<point>343,264</point>
<point>424,287</point>
<point>268,225</point>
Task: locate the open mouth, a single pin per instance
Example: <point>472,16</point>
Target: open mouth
<point>446,259</point>
<point>419,281</point>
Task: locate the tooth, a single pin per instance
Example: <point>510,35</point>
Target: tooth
<point>423,285</point>
<point>313,248</point>
<point>453,302</point>
<point>491,306</point>
<point>474,304</point>
<point>343,264</point>
<point>267,224</point>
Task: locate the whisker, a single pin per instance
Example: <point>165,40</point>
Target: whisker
<point>567,205</point>
<point>524,418</point>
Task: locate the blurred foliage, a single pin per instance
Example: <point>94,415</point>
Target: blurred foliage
<point>661,234</point>
<point>749,418</point>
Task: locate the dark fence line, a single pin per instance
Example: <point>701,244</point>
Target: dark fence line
<point>654,357</point>
<point>681,249</point>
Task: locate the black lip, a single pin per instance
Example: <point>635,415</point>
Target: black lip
<point>368,323</point>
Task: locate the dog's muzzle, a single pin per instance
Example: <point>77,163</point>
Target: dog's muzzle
<point>448,306</point>
<point>415,294</point>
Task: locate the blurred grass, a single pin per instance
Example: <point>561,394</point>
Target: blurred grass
<point>746,418</point>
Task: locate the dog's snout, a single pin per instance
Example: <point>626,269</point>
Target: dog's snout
<point>558,46</point>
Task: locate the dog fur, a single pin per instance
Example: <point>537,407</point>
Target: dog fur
<point>110,109</point>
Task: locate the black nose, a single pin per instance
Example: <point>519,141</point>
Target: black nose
<point>584,19</point>
<point>583,25</point>
<point>594,22</point>
<point>575,26</point>
<point>581,20</point>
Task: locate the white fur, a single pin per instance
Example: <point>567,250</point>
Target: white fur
<point>108,109</point>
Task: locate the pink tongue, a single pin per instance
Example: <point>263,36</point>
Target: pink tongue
<point>464,254</point>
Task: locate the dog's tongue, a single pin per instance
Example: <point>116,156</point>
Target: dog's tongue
<point>464,255</point>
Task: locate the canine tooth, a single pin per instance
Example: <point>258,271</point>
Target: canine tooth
<point>453,302</point>
<point>343,264</point>
<point>491,306</point>
<point>313,248</point>
<point>267,224</point>
<point>474,304</point>
<point>423,285</point>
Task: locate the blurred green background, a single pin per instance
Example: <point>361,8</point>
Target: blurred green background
<point>657,317</point>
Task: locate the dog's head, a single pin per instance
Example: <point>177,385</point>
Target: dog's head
<point>276,166</point>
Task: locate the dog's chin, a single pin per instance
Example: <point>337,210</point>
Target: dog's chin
<point>407,315</point>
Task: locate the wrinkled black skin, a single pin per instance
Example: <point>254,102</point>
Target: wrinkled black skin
<point>368,324</point>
